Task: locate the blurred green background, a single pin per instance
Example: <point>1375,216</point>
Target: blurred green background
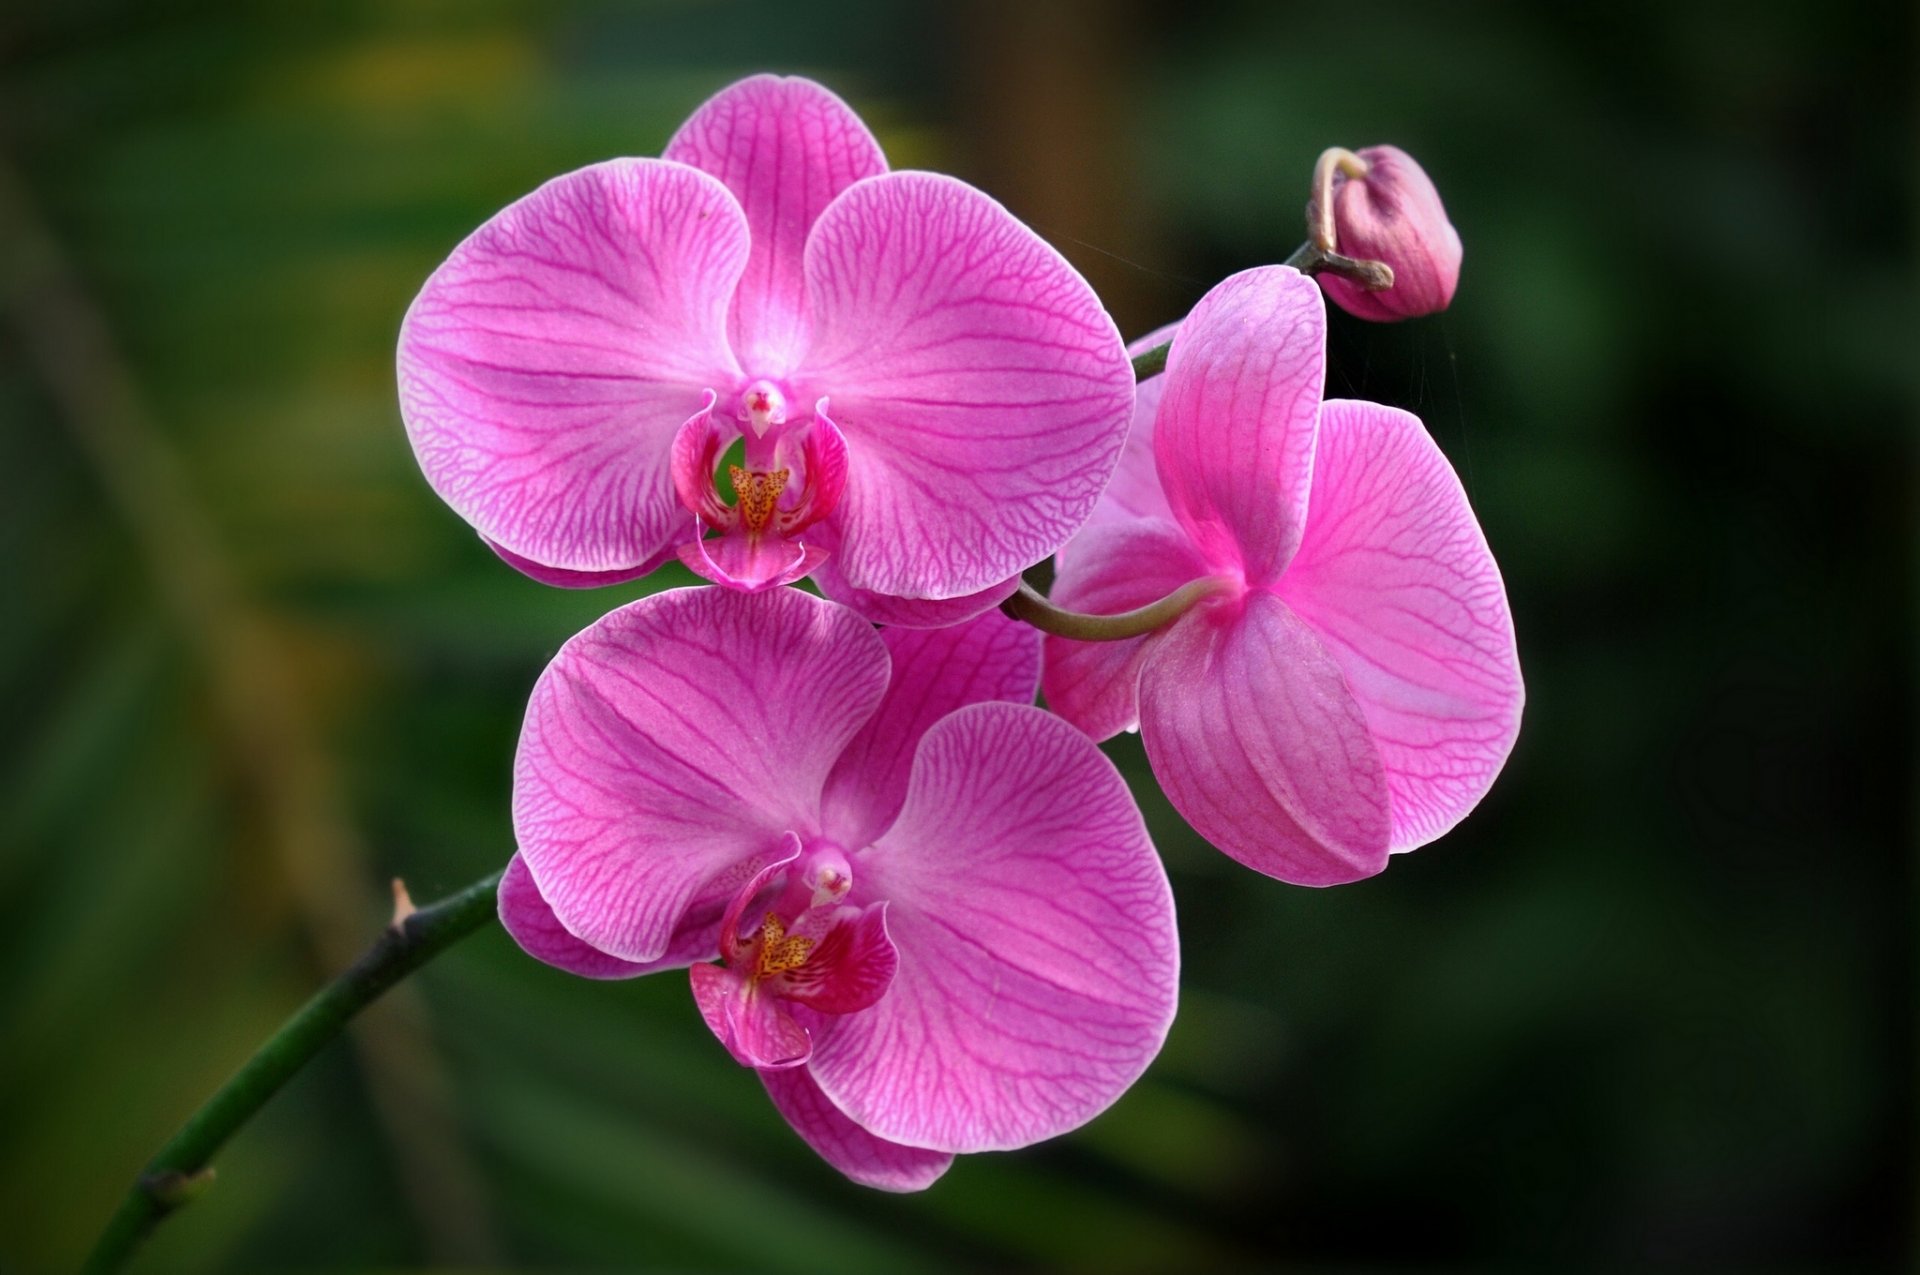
<point>1652,1005</point>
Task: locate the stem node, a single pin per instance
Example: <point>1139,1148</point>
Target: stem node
<point>173,1187</point>
<point>181,1171</point>
<point>402,905</point>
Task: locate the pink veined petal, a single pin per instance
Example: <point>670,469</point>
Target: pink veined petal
<point>785,148</point>
<point>870,1161</point>
<point>755,1027</point>
<point>1038,960</point>
<point>1234,435</point>
<point>1396,578</point>
<point>692,458</point>
<point>1135,490</point>
<point>1113,567</point>
<point>851,965</point>
<point>982,389</point>
<point>824,457</point>
<point>910,613</point>
<point>539,933</point>
<point>749,890</point>
<point>679,738</point>
<point>935,671</point>
<point>547,363</point>
<point>1256,740</point>
<point>738,562</point>
<point>589,579</point>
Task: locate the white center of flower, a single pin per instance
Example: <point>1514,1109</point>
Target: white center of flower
<point>762,407</point>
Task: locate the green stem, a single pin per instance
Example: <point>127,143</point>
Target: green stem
<point>1028,605</point>
<point>1308,258</point>
<point>1151,362</point>
<point>181,1170</point>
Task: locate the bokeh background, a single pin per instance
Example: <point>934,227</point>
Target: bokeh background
<point>1652,1005</point>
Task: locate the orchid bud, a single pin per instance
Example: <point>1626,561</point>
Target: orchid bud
<point>1384,208</point>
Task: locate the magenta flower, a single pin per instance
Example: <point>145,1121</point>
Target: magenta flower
<point>1385,208</point>
<point>942,924</point>
<point>1352,687</point>
<point>921,389</point>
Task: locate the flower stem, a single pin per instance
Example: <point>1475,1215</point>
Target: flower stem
<point>181,1171</point>
<point>1305,258</point>
<point>1151,362</point>
<point>1308,258</point>
<point>1028,605</point>
<point>1335,159</point>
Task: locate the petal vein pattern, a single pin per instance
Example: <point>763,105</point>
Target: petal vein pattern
<point>531,922</point>
<point>1251,730</point>
<point>546,365</point>
<point>785,148</point>
<point>974,953</point>
<point>983,391</point>
<point>1038,962</point>
<point>1361,691</point>
<point>935,671</point>
<point>1116,565</point>
<point>1234,435</point>
<point>676,737</point>
<point>1395,577</point>
<point>868,1160</point>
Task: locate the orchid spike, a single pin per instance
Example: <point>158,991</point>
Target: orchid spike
<point>940,924</point>
<point>1350,686</point>
<point>925,398</point>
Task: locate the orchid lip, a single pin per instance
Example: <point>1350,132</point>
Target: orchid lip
<point>789,478</point>
<point>807,948</point>
<point>793,470</point>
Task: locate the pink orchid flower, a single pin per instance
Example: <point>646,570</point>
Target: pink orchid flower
<point>926,398</point>
<point>942,925</point>
<point>1351,688</point>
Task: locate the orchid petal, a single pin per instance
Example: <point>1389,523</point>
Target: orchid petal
<point>935,671</point>
<point>1038,960</point>
<point>1253,735</point>
<point>756,1029</point>
<point>1396,578</point>
<point>849,968</point>
<point>785,148</point>
<point>751,563</point>
<point>823,462</point>
<point>910,613</point>
<point>695,453</point>
<point>1234,435</point>
<point>676,739</point>
<point>547,363</point>
<point>1135,491</point>
<point>1113,567</point>
<point>539,933</point>
<point>982,389</point>
<point>560,579</point>
<point>730,945</point>
<point>867,1160</point>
